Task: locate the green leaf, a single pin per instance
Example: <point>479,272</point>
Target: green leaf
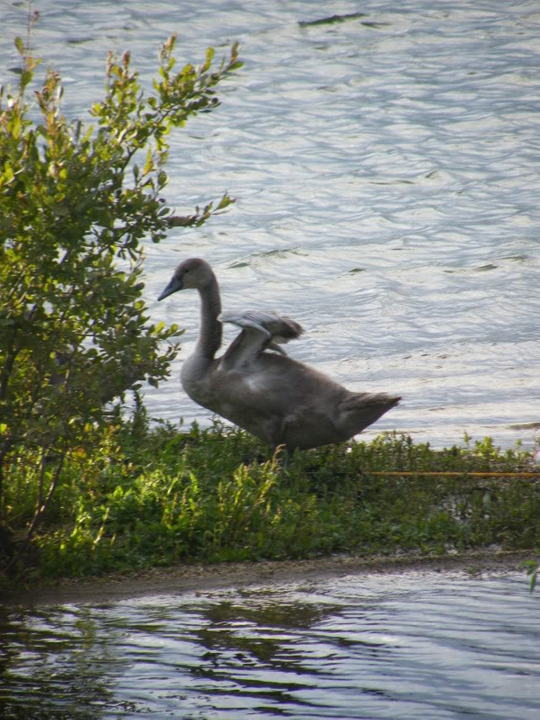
<point>210,52</point>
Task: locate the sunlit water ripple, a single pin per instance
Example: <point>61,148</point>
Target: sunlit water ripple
<point>404,646</point>
<point>386,175</point>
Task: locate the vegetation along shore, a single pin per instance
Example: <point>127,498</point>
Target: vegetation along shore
<point>156,497</point>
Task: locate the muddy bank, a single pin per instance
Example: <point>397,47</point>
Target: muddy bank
<point>192,578</point>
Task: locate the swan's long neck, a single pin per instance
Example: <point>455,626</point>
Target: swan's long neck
<point>211,329</point>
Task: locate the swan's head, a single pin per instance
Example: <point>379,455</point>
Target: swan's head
<point>193,273</point>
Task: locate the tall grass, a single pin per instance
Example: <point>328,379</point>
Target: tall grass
<point>154,497</point>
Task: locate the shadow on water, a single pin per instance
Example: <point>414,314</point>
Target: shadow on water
<point>239,639</point>
<point>56,663</point>
<point>66,661</point>
<point>413,645</point>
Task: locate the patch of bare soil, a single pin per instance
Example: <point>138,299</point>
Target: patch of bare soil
<point>191,578</point>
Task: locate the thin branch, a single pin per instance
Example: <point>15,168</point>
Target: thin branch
<point>40,508</point>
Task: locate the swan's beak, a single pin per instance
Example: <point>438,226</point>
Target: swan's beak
<point>175,284</point>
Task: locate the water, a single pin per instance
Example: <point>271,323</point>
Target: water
<point>403,646</point>
<point>386,175</point>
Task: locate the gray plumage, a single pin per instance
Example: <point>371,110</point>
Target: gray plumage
<point>260,331</point>
<point>256,385</point>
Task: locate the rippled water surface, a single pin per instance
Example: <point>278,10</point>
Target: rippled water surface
<point>385,160</point>
<point>416,645</point>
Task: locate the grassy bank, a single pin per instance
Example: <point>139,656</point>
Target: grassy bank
<point>155,497</point>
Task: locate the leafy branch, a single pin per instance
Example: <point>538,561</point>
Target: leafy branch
<point>76,204</point>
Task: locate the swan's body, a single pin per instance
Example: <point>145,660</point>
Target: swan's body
<point>256,385</point>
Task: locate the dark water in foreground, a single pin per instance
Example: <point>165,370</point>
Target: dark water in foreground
<point>412,645</point>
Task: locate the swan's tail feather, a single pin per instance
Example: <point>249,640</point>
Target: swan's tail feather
<point>362,409</point>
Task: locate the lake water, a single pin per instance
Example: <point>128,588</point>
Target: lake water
<point>386,171</point>
<point>411,645</point>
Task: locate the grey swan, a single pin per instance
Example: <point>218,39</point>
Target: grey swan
<point>256,385</point>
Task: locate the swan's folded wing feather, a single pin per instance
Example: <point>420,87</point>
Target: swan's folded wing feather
<point>260,330</point>
<point>279,327</point>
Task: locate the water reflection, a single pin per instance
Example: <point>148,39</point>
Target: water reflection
<point>56,663</point>
<point>411,645</point>
<point>254,644</point>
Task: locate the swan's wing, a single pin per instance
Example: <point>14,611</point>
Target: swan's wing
<point>270,325</point>
<point>260,330</point>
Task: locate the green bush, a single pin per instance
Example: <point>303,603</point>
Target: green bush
<point>76,203</point>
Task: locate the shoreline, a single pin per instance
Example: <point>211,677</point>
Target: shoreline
<point>181,579</point>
